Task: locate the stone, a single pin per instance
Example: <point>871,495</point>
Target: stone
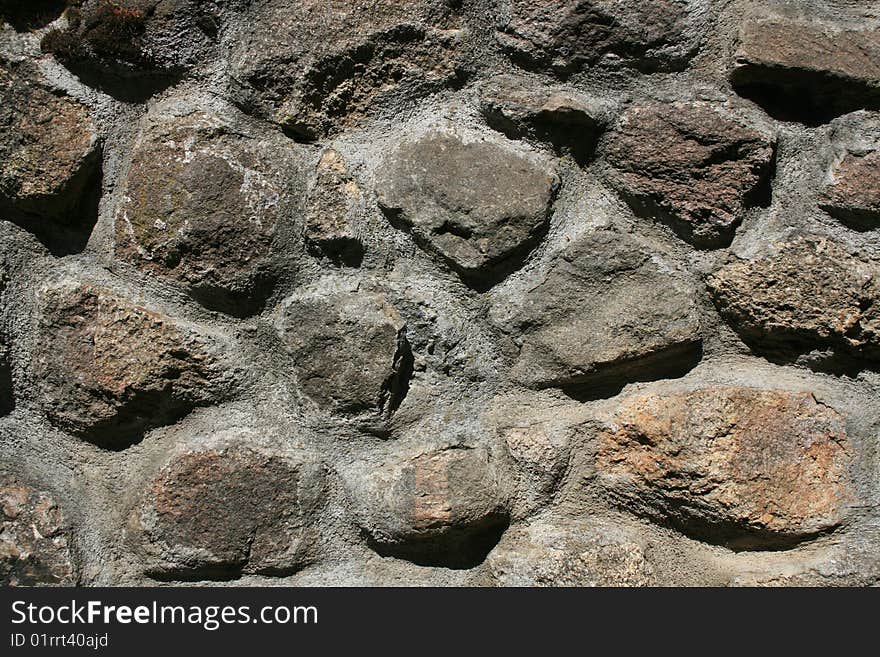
<point>479,205</point>
<point>320,66</point>
<point>853,196</point>
<point>519,108</point>
<point>202,205</point>
<point>108,368</point>
<point>30,15</point>
<point>806,293</point>
<point>36,545</point>
<point>609,310</point>
<point>748,468</point>
<point>807,71</point>
<point>221,513</point>
<point>564,552</point>
<point>349,350</point>
<point>566,37</point>
<point>49,155</point>
<point>334,201</point>
<point>133,48</point>
<point>691,166</point>
<point>443,507</point>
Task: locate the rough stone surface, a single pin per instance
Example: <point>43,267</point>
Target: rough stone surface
<point>321,65</point>
<point>690,165</point>
<point>479,205</point>
<point>35,540</point>
<point>568,553</point>
<point>202,206</point>
<point>49,154</point>
<point>807,293</point>
<point>807,71</point>
<point>108,42</point>
<point>223,512</point>
<point>567,36</point>
<point>441,292</point>
<point>750,468</point>
<point>335,200</point>
<point>443,507</point>
<point>108,368</point>
<point>519,108</point>
<point>641,320</point>
<point>349,350</point>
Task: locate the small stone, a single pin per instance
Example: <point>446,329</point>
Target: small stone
<point>480,205</point>
<point>807,293</point>
<point>333,203</point>
<point>349,350</point>
<point>201,206</point>
<point>319,66</point>
<point>568,120</point>
<point>691,166</point>
<point>220,513</point>
<point>142,44</point>
<point>568,553</point>
<point>853,196</point>
<point>804,71</point>
<point>748,468</point>
<point>109,369</point>
<point>610,309</point>
<point>49,153</point>
<point>565,37</point>
<point>445,507</point>
<point>35,540</point>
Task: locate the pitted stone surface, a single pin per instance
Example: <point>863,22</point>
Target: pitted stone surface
<point>689,165</point>
<point>110,368</point>
<point>751,468</point>
<point>36,547</point>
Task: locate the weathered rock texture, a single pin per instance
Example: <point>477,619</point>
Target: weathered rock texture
<point>439,292</point>
<point>35,543</point>
<point>224,512</point>
<point>688,164</point>
<point>752,468</point>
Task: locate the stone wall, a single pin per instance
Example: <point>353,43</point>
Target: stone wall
<point>490,292</point>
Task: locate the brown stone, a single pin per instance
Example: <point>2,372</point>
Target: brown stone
<point>35,541</point>
<point>349,350</point>
<point>49,154</point>
<point>690,165</point>
<point>609,310</point>
<point>807,293</point>
<point>805,71</point>
<point>333,203</point>
<point>854,192</point>
<point>444,507</point>
<point>319,66</point>
<point>480,205</point>
<point>745,467</point>
<point>566,37</point>
<point>201,205</point>
<point>108,369</point>
<point>220,513</point>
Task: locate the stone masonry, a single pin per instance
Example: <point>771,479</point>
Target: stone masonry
<point>446,293</point>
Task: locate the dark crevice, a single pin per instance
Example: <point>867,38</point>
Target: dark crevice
<point>235,304</point>
<point>809,97</point>
<point>340,251</point>
<point>395,389</point>
<point>26,15</point>
<point>858,219</point>
<point>672,363</point>
<point>64,232</point>
<point>457,548</point>
<point>7,401</point>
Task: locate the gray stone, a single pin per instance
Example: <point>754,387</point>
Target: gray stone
<point>480,205</point>
<point>609,310</point>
